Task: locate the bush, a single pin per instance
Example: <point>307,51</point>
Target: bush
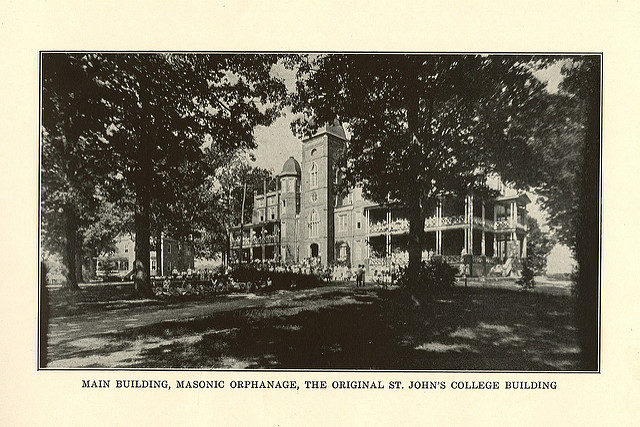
<point>526,280</point>
<point>276,280</point>
<point>434,276</point>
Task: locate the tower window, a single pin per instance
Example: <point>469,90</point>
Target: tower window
<point>314,224</point>
<point>313,175</point>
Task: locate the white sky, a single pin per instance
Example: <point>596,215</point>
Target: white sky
<point>276,143</point>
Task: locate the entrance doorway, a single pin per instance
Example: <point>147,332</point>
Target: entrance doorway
<point>314,250</point>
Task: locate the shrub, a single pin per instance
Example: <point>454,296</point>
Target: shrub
<point>526,279</point>
<point>434,276</point>
<point>276,280</point>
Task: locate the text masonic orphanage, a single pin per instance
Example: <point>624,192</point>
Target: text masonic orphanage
<point>292,384</point>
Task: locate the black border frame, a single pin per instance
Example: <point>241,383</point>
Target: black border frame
<point>263,370</point>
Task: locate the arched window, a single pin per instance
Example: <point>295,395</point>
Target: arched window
<point>314,224</point>
<point>313,175</point>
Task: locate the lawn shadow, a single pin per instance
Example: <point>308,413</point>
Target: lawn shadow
<point>470,329</point>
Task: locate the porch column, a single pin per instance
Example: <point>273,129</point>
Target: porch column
<point>262,246</point>
<point>466,221</point>
<point>470,225</point>
<point>514,215</point>
<point>524,246</point>
<point>388,233</point>
<point>483,235</point>
<point>439,230</point>
<point>495,220</point>
<point>367,238</point>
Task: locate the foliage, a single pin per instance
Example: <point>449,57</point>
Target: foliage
<point>526,279</point>
<point>160,124</point>
<point>221,197</point>
<point>558,143</point>
<point>539,244</point>
<point>435,276</point>
<point>424,126</point>
<point>72,171</point>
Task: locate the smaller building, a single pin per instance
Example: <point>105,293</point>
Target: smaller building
<point>176,256</point>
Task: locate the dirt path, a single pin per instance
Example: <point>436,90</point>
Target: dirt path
<point>70,328</point>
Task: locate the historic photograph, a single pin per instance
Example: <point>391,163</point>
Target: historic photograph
<point>335,211</point>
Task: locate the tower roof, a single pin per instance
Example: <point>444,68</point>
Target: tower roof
<point>335,129</point>
<point>291,167</point>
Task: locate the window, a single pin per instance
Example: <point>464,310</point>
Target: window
<point>272,212</point>
<point>260,202</point>
<point>314,224</point>
<point>283,230</point>
<point>169,248</point>
<point>313,176</point>
<point>343,252</point>
<point>124,264</point>
<point>314,197</point>
<point>261,218</point>
<point>284,207</point>
<point>358,225</point>
<point>271,200</point>
<point>153,264</point>
<point>313,152</point>
<point>343,222</point>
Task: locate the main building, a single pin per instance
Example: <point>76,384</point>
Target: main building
<point>302,218</point>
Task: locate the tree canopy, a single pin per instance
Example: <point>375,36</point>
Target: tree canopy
<point>158,124</point>
<point>424,126</point>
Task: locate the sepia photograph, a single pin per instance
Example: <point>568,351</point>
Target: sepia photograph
<point>358,211</point>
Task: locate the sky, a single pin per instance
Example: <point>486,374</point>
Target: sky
<point>275,143</point>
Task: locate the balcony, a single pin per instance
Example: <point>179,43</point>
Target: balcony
<point>399,226</point>
<point>453,220</point>
<point>507,224</point>
<point>270,239</point>
<point>378,227</point>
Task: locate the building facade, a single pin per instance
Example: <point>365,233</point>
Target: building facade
<point>305,218</point>
<point>176,257</point>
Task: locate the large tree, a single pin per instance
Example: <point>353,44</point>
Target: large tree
<point>423,126</point>
<point>164,109</point>
<point>72,172</point>
<point>569,147</point>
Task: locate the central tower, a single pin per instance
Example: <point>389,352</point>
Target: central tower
<point>319,155</point>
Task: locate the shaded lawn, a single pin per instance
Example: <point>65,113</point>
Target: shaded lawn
<point>473,328</point>
<point>90,299</point>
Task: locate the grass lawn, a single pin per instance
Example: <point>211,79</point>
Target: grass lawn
<point>335,327</point>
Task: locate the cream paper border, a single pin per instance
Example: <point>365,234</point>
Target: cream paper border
<point>29,397</point>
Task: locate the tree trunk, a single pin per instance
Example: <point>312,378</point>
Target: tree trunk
<point>79,262</point>
<point>141,273</point>
<point>70,248</point>
<point>415,212</point>
<point>416,233</point>
<point>588,232</point>
<point>142,222</point>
